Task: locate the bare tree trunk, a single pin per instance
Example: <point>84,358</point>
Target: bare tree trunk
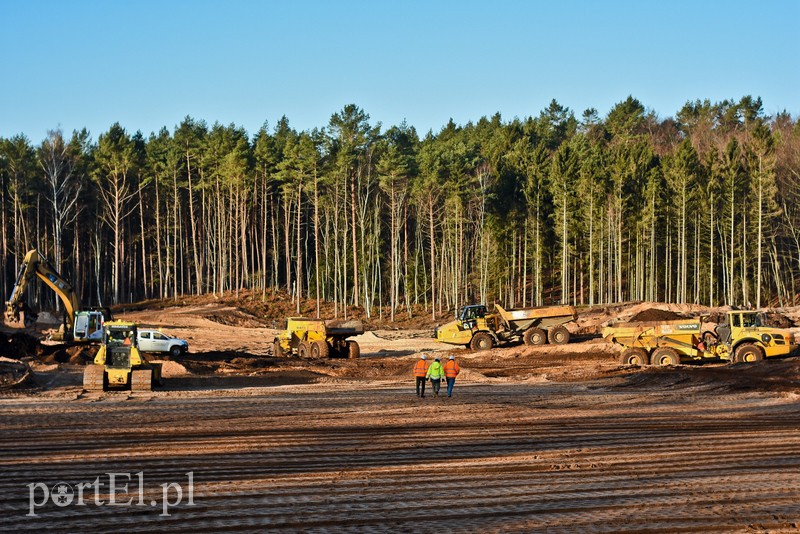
<point>355,246</point>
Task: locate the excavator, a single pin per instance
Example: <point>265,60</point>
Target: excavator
<point>79,324</point>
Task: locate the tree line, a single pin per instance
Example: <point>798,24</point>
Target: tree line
<point>555,208</point>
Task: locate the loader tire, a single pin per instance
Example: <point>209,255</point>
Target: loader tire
<point>141,380</point>
<point>481,341</point>
<point>635,356</point>
<point>665,356</point>
<point>534,336</point>
<point>748,352</point>
<point>319,349</point>
<point>302,350</point>
<point>353,350</point>
<point>94,377</point>
<point>277,350</point>
<point>558,335</point>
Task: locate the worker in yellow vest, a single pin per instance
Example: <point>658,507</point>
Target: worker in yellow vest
<point>451,370</point>
<point>420,372</point>
<point>436,374</point>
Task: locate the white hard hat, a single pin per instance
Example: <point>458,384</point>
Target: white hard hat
<point>422,357</point>
<point>452,357</point>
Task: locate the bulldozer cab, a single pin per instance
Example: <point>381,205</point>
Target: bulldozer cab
<point>120,335</point>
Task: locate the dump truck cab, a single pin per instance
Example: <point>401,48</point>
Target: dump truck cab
<point>119,363</point>
<point>746,338</point>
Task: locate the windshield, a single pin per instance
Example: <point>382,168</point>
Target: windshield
<point>121,336</point>
<point>472,312</point>
<point>751,320</point>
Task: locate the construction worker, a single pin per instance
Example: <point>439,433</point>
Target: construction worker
<point>420,372</point>
<point>451,370</point>
<point>435,373</point>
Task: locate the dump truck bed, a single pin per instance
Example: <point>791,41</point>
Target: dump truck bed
<point>623,331</point>
<point>521,319</point>
<point>338,327</point>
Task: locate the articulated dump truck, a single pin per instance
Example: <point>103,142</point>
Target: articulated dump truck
<point>478,329</point>
<point>743,338</point>
<point>318,338</point>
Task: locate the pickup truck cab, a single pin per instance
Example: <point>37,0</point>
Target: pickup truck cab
<point>155,341</point>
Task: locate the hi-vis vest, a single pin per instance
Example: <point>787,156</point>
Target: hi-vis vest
<point>451,369</point>
<point>421,369</point>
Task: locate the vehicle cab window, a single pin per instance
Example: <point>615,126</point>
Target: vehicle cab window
<point>159,335</point>
<point>145,335</point>
<point>751,320</point>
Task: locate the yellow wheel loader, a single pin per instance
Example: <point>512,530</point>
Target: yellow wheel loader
<point>119,364</point>
<point>318,338</point>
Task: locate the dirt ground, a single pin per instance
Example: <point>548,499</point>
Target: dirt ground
<point>551,438</point>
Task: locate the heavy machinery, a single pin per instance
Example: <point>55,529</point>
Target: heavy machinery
<point>119,364</point>
<point>318,338</point>
<point>743,338</point>
<point>79,324</point>
<point>478,329</point>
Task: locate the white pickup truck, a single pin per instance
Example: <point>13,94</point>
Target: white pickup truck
<point>155,341</point>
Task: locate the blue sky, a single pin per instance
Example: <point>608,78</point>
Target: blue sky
<point>147,64</point>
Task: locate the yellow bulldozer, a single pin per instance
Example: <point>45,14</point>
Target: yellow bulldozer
<point>742,337</point>
<point>119,364</point>
<point>318,338</point>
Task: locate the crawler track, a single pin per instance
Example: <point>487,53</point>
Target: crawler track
<point>608,456</point>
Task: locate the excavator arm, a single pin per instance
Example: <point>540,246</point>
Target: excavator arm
<point>36,265</point>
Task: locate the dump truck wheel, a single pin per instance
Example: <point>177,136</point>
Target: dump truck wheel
<point>320,349</point>
<point>353,350</point>
<point>481,341</point>
<point>634,356</point>
<point>558,335</point>
<point>302,350</point>
<point>141,380</point>
<point>534,336</point>
<point>94,377</point>
<point>749,352</point>
<point>277,350</point>
<point>665,356</point>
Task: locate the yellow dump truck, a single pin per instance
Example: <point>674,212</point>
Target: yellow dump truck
<point>742,338</point>
<point>478,329</point>
<point>318,338</point>
<point>119,364</point>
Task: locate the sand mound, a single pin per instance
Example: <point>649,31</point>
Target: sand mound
<point>172,369</point>
<point>654,314</point>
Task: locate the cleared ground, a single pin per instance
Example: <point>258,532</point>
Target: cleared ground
<point>545,438</point>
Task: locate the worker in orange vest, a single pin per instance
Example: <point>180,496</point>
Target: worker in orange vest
<point>420,372</point>
<point>451,370</point>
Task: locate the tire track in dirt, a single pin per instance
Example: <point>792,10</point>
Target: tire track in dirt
<point>503,457</point>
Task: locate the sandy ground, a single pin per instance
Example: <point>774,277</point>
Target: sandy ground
<point>534,439</point>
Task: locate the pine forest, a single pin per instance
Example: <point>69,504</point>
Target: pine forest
<point>581,209</point>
